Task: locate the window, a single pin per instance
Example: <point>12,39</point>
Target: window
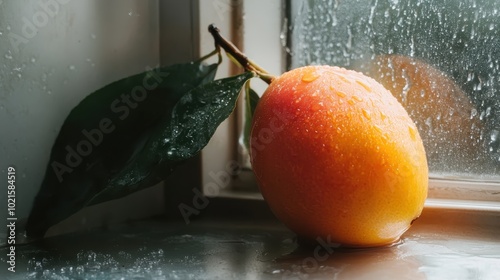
<point>453,40</point>
<point>444,53</point>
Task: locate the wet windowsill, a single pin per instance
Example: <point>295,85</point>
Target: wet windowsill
<point>442,244</point>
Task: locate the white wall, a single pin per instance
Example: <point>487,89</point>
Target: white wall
<point>50,59</point>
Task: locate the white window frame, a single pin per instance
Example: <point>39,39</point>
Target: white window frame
<point>262,27</point>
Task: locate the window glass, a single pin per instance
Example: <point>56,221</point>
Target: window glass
<point>441,59</point>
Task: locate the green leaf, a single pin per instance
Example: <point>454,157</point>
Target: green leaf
<point>251,101</point>
<point>199,113</point>
<point>180,135</point>
<point>104,133</point>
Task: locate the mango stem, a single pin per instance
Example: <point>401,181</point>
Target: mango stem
<point>239,56</point>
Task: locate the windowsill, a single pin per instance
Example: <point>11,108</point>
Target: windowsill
<point>445,193</point>
<point>240,239</point>
<point>463,205</point>
<point>433,203</point>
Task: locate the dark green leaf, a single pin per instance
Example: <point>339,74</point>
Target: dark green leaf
<point>251,100</point>
<point>102,135</point>
<point>181,135</point>
<point>198,114</point>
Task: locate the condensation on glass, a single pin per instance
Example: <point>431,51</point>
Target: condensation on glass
<point>441,59</point>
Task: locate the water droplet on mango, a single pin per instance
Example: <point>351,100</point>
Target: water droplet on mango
<point>339,93</point>
<point>367,114</point>
<point>310,76</point>
<point>357,98</point>
<point>344,79</point>
<point>383,116</point>
<point>413,133</point>
<point>364,85</point>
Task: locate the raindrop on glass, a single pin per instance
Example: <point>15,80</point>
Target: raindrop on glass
<point>473,113</point>
<point>494,135</point>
